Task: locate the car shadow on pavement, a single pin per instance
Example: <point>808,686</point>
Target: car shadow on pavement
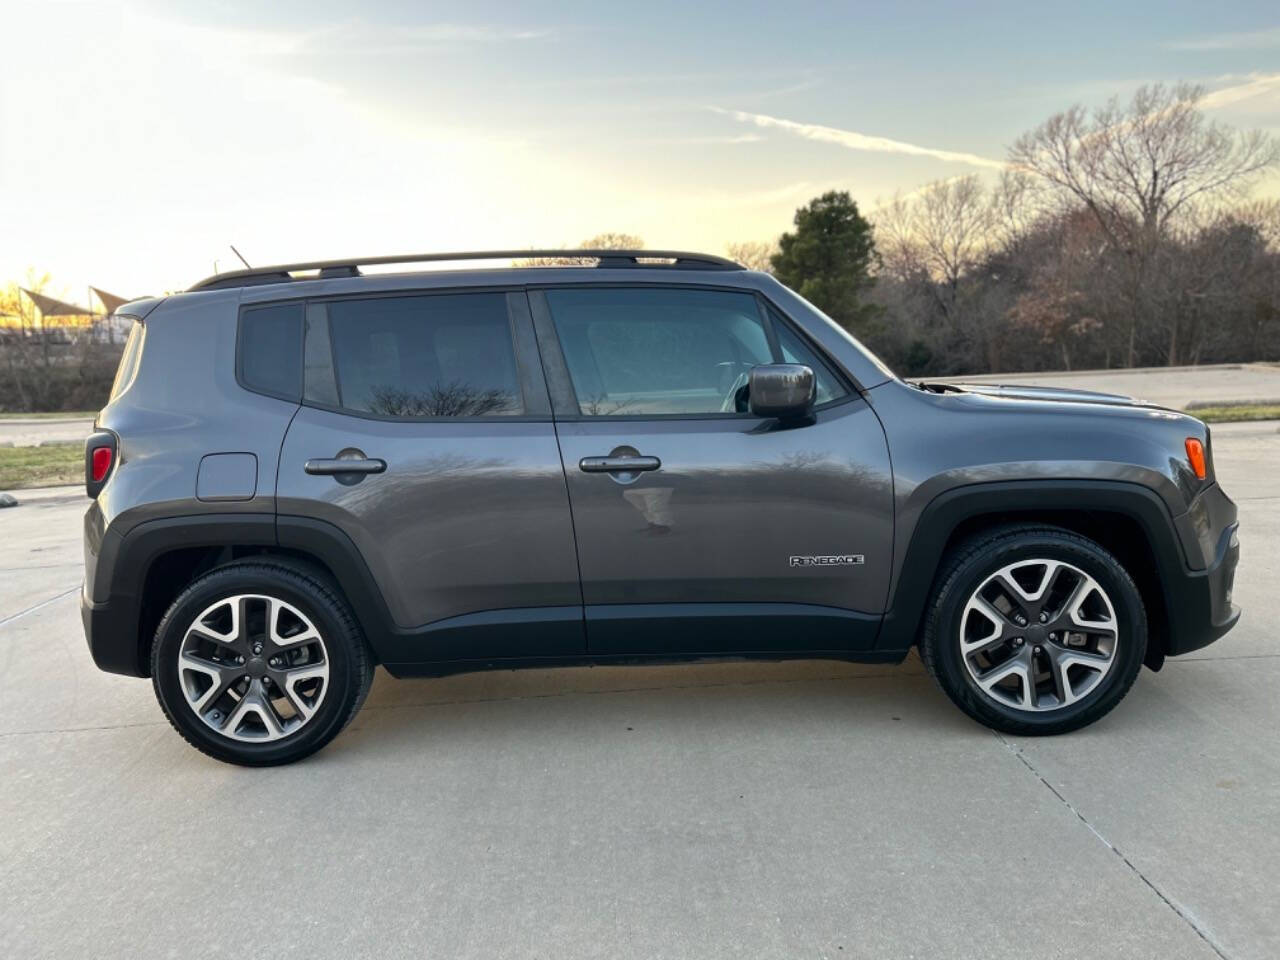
<point>729,705</point>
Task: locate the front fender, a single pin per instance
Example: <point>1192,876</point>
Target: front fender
<point>945,512</point>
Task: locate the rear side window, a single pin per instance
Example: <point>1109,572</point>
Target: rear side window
<point>437,355</point>
<point>129,360</point>
<point>270,350</point>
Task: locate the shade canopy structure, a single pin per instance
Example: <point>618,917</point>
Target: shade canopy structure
<point>109,301</point>
<point>51,307</point>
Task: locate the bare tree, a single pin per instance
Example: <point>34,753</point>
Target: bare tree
<point>934,238</point>
<point>754,254</point>
<point>942,228</point>
<point>1018,206</point>
<point>1057,301</point>
<point>1138,167</point>
<point>601,241</point>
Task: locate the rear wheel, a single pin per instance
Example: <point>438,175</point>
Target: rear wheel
<point>258,663</point>
<point>1034,630</point>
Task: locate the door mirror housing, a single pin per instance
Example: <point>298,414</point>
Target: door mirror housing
<point>782,390</point>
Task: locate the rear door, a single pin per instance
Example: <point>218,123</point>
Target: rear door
<point>466,530</point>
<point>721,531</point>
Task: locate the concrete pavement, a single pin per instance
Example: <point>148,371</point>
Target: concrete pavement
<point>36,431</point>
<point>1167,386</point>
<point>809,809</point>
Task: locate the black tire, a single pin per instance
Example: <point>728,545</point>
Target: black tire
<point>349,660</point>
<point>962,572</point>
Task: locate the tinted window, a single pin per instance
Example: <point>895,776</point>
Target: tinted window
<point>271,350</point>
<point>795,350</point>
<point>653,351</point>
<point>446,355</point>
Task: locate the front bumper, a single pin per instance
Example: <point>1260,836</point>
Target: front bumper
<point>1199,604</point>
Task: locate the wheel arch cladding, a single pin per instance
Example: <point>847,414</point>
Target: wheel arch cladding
<point>1127,519</point>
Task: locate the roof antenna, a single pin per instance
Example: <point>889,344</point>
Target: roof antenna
<point>238,254</point>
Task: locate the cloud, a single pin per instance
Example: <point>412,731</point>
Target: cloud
<point>859,141</point>
<point>1256,85</point>
<point>1267,39</point>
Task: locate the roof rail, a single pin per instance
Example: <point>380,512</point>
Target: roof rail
<point>326,269</point>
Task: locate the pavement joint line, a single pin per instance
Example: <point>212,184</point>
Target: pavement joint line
<point>1182,914</point>
<point>105,726</point>
<point>43,603</point>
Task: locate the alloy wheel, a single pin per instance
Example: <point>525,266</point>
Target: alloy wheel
<point>1038,635</point>
<point>253,668</point>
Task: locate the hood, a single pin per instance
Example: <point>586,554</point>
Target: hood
<point>1031,392</point>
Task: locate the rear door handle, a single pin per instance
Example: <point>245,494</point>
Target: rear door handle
<point>336,465</point>
<point>618,464</point>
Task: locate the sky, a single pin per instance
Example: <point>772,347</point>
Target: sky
<point>138,140</point>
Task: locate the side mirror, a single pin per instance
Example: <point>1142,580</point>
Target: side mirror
<point>782,390</point>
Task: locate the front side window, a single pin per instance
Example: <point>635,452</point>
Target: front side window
<point>658,352</point>
<point>795,350</point>
<point>439,355</point>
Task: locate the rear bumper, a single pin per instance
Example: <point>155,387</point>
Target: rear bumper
<point>112,633</point>
<point>1199,604</point>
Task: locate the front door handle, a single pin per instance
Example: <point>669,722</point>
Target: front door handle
<point>337,465</point>
<point>618,464</point>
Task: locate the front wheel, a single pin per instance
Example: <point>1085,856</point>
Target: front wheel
<point>258,663</point>
<point>1034,630</point>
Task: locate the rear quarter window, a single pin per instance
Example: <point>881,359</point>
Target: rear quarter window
<point>269,350</point>
<point>129,360</point>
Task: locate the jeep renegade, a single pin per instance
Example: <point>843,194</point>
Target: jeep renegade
<point>624,457</point>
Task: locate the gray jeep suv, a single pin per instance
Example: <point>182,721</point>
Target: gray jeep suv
<point>307,470</point>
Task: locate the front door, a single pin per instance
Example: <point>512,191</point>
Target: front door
<point>461,514</point>
<point>700,527</point>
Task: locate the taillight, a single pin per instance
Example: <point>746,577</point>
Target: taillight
<point>99,458</point>
<point>100,464</point>
<point>1195,456</point>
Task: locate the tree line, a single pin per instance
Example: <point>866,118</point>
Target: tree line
<point>1119,237</point>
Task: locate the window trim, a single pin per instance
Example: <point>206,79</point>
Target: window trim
<point>544,324</point>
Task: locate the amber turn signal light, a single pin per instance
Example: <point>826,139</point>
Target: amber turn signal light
<point>1195,456</point>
